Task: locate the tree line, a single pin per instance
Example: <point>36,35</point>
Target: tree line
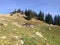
<point>40,16</point>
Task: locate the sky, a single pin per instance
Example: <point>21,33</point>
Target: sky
<point>46,6</point>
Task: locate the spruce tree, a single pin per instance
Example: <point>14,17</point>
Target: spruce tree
<point>41,16</point>
<point>48,19</point>
<point>56,20</point>
<point>19,10</point>
<point>30,14</point>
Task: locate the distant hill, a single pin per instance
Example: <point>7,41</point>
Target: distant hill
<point>16,30</point>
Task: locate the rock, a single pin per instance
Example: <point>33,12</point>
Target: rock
<point>22,42</point>
<point>49,29</point>
<point>2,19</point>
<point>40,35</point>
<point>52,25</point>
<point>5,24</point>
<point>3,37</point>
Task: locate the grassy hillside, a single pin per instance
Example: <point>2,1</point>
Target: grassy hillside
<point>12,32</point>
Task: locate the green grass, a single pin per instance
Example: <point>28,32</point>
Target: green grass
<point>28,34</point>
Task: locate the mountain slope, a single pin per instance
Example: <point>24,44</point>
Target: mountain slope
<point>13,31</point>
